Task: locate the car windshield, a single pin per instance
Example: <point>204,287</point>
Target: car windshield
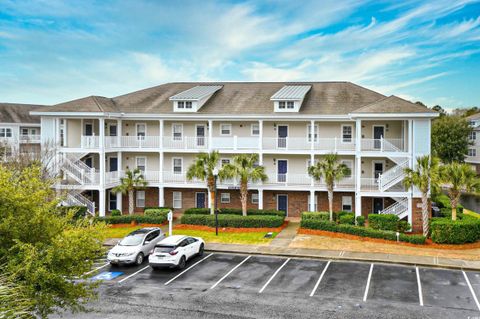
<point>132,240</point>
<point>164,249</point>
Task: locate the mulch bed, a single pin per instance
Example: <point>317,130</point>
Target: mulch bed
<point>231,229</point>
<point>428,242</point>
<point>130,225</point>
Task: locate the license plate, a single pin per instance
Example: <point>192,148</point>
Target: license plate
<point>116,261</point>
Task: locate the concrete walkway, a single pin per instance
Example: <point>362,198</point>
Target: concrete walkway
<point>344,255</point>
<point>285,237</point>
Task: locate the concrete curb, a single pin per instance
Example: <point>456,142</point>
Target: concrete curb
<point>350,256</point>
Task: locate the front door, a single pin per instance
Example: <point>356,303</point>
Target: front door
<point>89,162</point>
<point>112,130</point>
<point>113,164</point>
<point>200,200</point>
<point>88,129</point>
<point>377,205</point>
<point>378,134</point>
<point>282,171</point>
<point>282,203</point>
<point>377,169</point>
<point>200,135</point>
<point>282,136</point>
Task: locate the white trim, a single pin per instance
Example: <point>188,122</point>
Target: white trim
<point>108,168</point>
<point>220,129</point>
<point>109,125</point>
<point>136,162</point>
<point>316,128</point>
<point>144,198</point>
<point>109,198</point>
<point>196,132</point>
<point>136,128</point>
<point>351,203</point>
<point>352,166</point>
<point>84,124</point>
<point>173,166</point>
<point>251,129</point>
<point>251,198</point>
<point>278,129</point>
<point>286,212</point>
<point>221,199</point>
<point>181,132</point>
<point>225,159</point>
<point>180,199</point>
<point>281,159</point>
<point>352,134</point>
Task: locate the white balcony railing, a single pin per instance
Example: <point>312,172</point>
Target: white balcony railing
<point>286,143</point>
<point>140,141</point>
<point>369,184</point>
<point>29,139</point>
<point>288,179</point>
<point>185,142</point>
<point>234,142</point>
<point>382,145</point>
<point>90,142</point>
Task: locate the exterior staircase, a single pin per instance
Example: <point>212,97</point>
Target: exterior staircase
<point>399,208</point>
<point>394,175</point>
<point>75,198</point>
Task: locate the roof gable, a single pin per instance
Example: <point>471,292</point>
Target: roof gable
<point>393,104</point>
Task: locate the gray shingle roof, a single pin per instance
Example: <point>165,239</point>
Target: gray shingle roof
<point>19,113</point>
<point>291,92</point>
<point>393,104</point>
<point>247,98</point>
<point>196,93</point>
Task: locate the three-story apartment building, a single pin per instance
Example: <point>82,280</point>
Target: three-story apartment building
<point>473,156</point>
<point>290,125</point>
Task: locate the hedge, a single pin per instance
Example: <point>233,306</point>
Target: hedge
<point>447,231</point>
<point>360,231</point>
<point>235,211</point>
<point>360,221</point>
<point>228,220</point>
<point>325,215</point>
<point>347,219</point>
<point>383,221</point>
<point>115,212</point>
<point>156,212</point>
<point>158,207</point>
<point>127,219</point>
<point>79,211</point>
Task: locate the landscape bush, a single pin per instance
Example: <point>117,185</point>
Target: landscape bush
<point>79,211</point>
<point>115,212</point>
<point>360,231</point>
<point>231,220</point>
<point>360,221</point>
<point>447,231</point>
<point>127,219</point>
<point>156,212</point>
<point>347,219</point>
<point>235,211</point>
<point>158,207</point>
<point>315,215</point>
<point>383,221</point>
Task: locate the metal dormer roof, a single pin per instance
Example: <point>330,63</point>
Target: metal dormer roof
<point>196,93</point>
<point>291,92</point>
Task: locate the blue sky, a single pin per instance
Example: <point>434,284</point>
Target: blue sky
<point>53,51</point>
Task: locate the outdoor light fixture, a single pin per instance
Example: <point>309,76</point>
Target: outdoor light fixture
<point>215,175</point>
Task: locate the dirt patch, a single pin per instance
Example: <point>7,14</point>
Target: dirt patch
<point>231,229</point>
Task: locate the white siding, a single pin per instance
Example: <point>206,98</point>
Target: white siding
<point>421,138</point>
<point>48,130</point>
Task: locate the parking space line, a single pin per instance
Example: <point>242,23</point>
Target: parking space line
<point>187,269</point>
<point>471,289</point>
<point>419,283</point>
<point>320,279</point>
<point>368,283</point>
<point>273,276</point>
<point>133,274</point>
<point>228,273</point>
<point>98,268</point>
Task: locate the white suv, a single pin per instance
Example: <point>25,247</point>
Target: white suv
<point>175,250</point>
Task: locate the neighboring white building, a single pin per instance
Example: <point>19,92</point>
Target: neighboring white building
<point>290,126</point>
<point>19,130</point>
<point>473,155</point>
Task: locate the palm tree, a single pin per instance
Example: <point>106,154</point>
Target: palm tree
<point>246,169</point>
<point>331,170</point>
<point>202,169</point>
<point>458,178</point>
<point>425,177</point>
<point>132,181</point>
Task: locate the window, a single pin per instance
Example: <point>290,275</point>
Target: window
<point>225,198</point>
<point>180,104</point>
<point>141,163</point>
<point>472,123</point>
<point>254,198</point>
<point>177,165</point>
<point>24,131</point>
<point>290,104</point>
<point>33,131</point>
<point>5,132</point>
<point>112,201</point>
<point>347,203</point>
<point>281,105</point>
<point>225,129</point>
<point>177,199</point>
<point>309,133</point>
<point>177,131</point>
<point>347,133</point>
<point>140,202</point>
<point>112,130</point>
<point>141,131</point>
<point>473,136</point>
<point>188,104</point>
<point>349,164</point>
<point>225,161</point>
<point>472,152</point>
<point>255,129</point>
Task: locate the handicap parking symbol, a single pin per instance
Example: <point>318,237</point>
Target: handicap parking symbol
<point>107,275</point>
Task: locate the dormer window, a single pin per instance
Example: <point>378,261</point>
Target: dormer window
<point>194,98</point>
<point>180,104</point>
<point>289,98</point>
<point>281,105</point>
<point>188,104</point>
<point>290,104</point>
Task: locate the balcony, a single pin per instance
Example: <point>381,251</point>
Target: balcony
<point>382,145</point>
<point>29,139</point>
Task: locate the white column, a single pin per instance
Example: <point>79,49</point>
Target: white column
<point>260,135</point>
<point>410,142</point>
<point>101,126</point>
<point>410,209</point>
<point>119,161</point>
<point>160,167</point>
<point>312,201</point>
<point>260,199</point>
<point>210,135</point>
<point>119,133</point>
<point>161,135</point>
<point>358,204</point>
<point>119,201</point>
<point>161,196</point>
<point>358,167</point>
<point>312,135</point>
<point>101,200</point>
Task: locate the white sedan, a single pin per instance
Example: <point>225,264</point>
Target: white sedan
<point>135,246</point>
<point>175,250</point>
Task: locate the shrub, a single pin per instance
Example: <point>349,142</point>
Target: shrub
<point>79,211</point>
<point>360,221</point>
<point>337,215</point>
<point>403,226</point>
<point>447,231</point>
<point>347,219</point>
<point>316,215</point>
<point>443,201</point>
<point>115,212</point>
<point>158,207</point>
<point>383,221</point>
<point>235,211</point>
<point>127,219</point>
<point>197,211</point>
<point>447,212</point>
<point>237,221</point>
<point>360,231</point>
<point>156,212</point>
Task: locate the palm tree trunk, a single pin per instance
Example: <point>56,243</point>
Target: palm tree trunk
<point>330,203</point>
<point>212,202</point>
<point>453,203</point>
<point>425,214</point>
<point>130,202</point>
<point>244,197</point>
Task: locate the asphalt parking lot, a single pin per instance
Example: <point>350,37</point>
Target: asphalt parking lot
<point>342,288</point>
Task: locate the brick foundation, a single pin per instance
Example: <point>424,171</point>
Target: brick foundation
<point>322,201</point>
<point>151,199</point>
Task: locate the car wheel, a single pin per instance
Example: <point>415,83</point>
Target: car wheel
<point>139,259</point>
<point>181,263</point>
<point>200,250</point>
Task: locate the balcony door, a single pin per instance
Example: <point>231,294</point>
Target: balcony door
<point>200,134</point>
<point>282,136</point>
<point>378,134</point>
<point>377,205</point>
<point>88,129</point>
<point>282,169</point>
<point>377,169</point>
<point>113,164</point>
